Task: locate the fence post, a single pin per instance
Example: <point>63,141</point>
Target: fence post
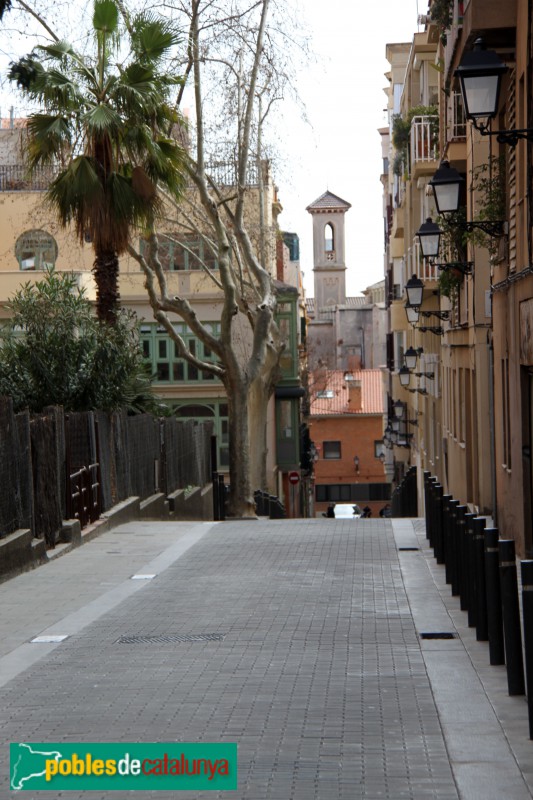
<point>526,568</point>
<point>494,599</point>
<point>511,618</point>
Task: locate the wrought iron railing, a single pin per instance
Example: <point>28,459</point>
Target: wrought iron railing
<point>17,178</point>
<point>424,139</point>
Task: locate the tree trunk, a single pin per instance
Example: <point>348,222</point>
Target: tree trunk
<point>241,502</point>
<point>105,271</point>
<point>258,399</point>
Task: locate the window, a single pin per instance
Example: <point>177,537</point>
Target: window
<point>36,249</point>
<point>162,353</point>
<point>218,413</point>
<point>329,238</point>
<point>351,492</point>
<point>183,252</point>
<point>331,450</point>
<point>325,394</point>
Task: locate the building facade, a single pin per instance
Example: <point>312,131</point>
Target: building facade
<point>470,423</point>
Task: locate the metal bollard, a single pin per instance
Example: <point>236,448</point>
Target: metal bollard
<point>453,505</point>
<point>457,516</point>
<point>511,618</point>
<point>221,497</point>
<point>482,633</point>
<point>428,505</point>
<point>494,599</point>
<point>446,535</point>
<point>526,569</point>
<point>439,549</point>
<point>469,570</point>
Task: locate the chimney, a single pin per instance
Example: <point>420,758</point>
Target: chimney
<point>355,398</point>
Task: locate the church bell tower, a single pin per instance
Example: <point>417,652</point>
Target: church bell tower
<point>328,250</point>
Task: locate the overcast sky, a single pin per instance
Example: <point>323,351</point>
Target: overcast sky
<point>340,148</point>
<point>344,98</point>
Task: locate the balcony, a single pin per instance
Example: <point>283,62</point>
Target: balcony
<point>16,178</point>
<point>416,265</point>
<point>424,141</point>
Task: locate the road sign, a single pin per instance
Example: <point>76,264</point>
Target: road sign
<point>294,478</point>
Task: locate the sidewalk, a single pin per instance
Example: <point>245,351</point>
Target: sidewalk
<point>320,676</point>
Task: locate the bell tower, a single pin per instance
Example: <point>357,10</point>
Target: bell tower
<point>328,250</point>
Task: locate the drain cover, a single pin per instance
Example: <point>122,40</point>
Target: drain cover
<point>408,549</point>
<point>171,637</point>
<point>438,635</point>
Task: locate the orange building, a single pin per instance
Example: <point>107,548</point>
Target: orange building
<point>346,427</point>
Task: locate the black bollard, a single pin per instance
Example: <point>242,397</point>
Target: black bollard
<point>511,618</point>
<point>526,568</point>
<point>216,507</point>
<point>446,535</point>
<point>482,633</point>
<point>470,570</point>
<point>454,556</point>
<point>428,505</point>
<point>439,550</point>
<point>221,497</point>
<point>494,600</point>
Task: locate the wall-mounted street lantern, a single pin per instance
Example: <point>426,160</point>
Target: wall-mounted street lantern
<point>415,290</point>
<point>413,313</point>
<point>410,357</point>
<point>405,376</point>
<point>446,184</point>
<point>429,235</point>
<point>399,408</point>
<point>480,74</point>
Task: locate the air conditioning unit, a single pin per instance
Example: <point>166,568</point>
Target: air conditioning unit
<point>424,19</point>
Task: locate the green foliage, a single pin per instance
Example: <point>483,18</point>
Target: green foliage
<point>53,351</point>
<point>401,129</point>
<point>441,13</point>
<point>488,183</point>
<point>106,116</point>
<point>449,282</point>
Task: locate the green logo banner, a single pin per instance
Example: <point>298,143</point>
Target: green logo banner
<point>175,766</point>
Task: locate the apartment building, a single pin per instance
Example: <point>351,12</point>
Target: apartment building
<point>470,424</point>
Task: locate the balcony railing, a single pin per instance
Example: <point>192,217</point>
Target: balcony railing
<point>16,178</point>
<point>416,265</point>
<point>456,117</point>
<point>424,139</point>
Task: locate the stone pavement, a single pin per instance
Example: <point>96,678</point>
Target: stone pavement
<point>320,674</point>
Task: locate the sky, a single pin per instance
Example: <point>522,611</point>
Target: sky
<point>341,150</point>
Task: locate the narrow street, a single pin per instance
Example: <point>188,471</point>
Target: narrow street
<point>304,647</point>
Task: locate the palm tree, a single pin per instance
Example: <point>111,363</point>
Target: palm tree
<point>106,124</point>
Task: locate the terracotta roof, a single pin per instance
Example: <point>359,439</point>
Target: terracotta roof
<point>328,200</point>
<point>350,302</point>
<point>330,392</point>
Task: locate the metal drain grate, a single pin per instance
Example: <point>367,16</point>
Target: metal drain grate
<point>408,549</point>
<point>166,638</point>
<point>438,635</point>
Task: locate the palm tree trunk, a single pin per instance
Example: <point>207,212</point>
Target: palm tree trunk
<point>105,271</point>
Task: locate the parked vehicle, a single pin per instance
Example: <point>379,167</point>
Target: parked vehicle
<point>347,511</point>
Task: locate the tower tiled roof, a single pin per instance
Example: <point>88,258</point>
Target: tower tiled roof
<point>330,392</point>
<point>350,302</point>
<point>328,200</point>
